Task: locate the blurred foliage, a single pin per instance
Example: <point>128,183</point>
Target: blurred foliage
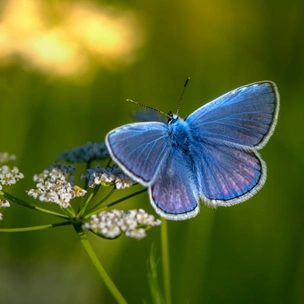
<point>66,69</point>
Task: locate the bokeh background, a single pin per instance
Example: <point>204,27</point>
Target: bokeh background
<point>66,68</point>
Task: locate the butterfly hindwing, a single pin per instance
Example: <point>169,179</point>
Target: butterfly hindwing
<point>139,149</point>
<point>245,116</point>
<point>174,193</point>
<point>228,176</point>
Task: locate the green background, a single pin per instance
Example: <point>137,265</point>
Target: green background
<point>250,253</point>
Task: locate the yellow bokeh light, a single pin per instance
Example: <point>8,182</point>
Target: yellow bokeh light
<point>82,34</point>
<point>54,53</point>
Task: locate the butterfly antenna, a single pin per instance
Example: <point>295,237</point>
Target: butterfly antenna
<point>180,99</point>
<point>141,104</point>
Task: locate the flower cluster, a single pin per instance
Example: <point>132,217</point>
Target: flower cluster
<point>3,205</point>
<point>107,176</point>
<point>9,176</point>
<point>86,153</point>
<point>56,185</point>
<point>112,223</point>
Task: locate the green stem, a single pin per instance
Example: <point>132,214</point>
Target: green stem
<point>165,261</point>
<point>92,210</point>
<point>109,162</point>
<point>114,203</point>
<point>69,211</point>
<point>107,196</point>
<point>28,205</point>
<point>24,229</point>
<point>103,274</point>
<point>87,202</point>
<point>125,198</point>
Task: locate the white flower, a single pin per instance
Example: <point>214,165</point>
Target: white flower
<point>112,223</point>
<point>107,176</point>
<point>55,172</point>
<point>3,204</point>
<point>9,176</point>
<point>86,153</point>
<point>137,234</point>
<point>56,185</point>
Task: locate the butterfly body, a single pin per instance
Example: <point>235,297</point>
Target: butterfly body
<point>180,134</point>
<point>211,155</point>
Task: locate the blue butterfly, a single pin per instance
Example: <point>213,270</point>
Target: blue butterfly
<point>211,155</point>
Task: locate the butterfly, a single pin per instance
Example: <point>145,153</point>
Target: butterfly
<point>212,155</point>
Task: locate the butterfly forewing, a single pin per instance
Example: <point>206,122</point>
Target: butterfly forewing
<point>139,149</point>
<point>245,116</point>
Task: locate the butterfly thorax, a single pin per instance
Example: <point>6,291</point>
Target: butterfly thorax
<point>179,133</point>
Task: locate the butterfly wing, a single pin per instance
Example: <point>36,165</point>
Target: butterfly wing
<point>139,149</point>
<point>246,116</point>
<point>174,194</point>
<point>226,134</point>
<point>228,176</point>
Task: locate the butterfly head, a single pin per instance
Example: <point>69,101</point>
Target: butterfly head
<point>172,118</point>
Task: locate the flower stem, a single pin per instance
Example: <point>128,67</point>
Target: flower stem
<point>126,197</point>
<point>103,274</point>
<point>165,261</point>
<point>83,207</point>
<point>92,210</point>
<point>114,203</point>
<point>33,228</point>
<point>24,204</point>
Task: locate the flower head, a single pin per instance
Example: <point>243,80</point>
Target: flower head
<point>3,204</point>
<point>112,223</point>
<point>107,176</point>
<point>88,152</point>
<point>9,176</point>
<point>56,185</point>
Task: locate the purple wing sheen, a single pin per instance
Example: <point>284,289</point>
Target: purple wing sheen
<point>139,149</point>
<point>174,193</point>
<point>246,116</point>
<point>227,176</point>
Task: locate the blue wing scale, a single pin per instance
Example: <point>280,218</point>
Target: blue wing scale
<point>227,176</point>
<point>139,149</point>
<point>246,116</point>
<point>174,193</point>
